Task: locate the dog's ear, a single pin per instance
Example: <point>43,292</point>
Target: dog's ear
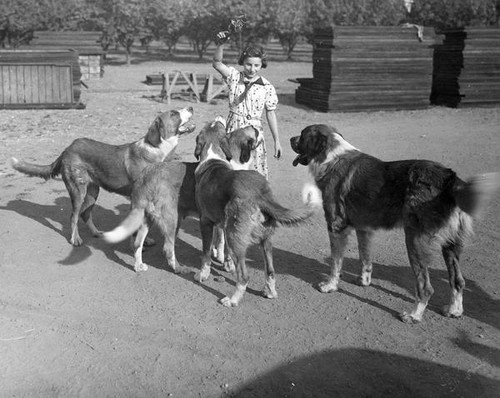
<point>256,132</point>
<point>315,144</point>
<point>246,150</point>
<point>153,136</point>
<point>226,147</point>
<point>198,148</point>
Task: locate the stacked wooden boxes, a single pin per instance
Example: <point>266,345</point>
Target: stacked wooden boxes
<point>39,79</point>
<point>90,53</point>
<point>480,78</point>
<point>369,68</point>
<point>448,63</point>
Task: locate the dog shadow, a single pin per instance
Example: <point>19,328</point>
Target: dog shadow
<point>58,214</point>
<point>56,217</point>
<point>478,304</point>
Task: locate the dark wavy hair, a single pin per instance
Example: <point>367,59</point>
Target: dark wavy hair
<point>253,52</point>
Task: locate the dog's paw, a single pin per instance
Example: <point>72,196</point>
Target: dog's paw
<point>182,269</point>
<point>365,279</point>
<point>76,241</point>
<point>269,293</point>
<point>269,290</point>
<point>450,312</point>
<point>228,302</point>
<point>202,275</point>
<point>140,267</point>
<point>409,318</point>
<point>97,233</point>
<point>229,265</point>
<point>328,286</point>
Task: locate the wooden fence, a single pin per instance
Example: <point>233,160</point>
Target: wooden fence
<point>32,79</point>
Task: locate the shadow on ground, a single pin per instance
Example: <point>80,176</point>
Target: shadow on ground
<point>478,303</point>
<point>365,373</point>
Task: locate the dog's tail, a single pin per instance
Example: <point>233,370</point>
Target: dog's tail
<point>473,195</point>
<point>128,226</point>
<point>35,170</point>
<point>311,196</point>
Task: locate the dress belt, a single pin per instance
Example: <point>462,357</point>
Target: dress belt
<point>248,117</point>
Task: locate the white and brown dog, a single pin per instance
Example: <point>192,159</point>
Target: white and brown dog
<point>241,201</point>
<point>86,165</point>
<point>426,199</point>
<point>165,194</point>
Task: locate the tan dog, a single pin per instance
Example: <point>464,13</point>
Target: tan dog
<point>86,165</point>
<point>165,194</point>
<point>242,202</point>
<point>363,193</point>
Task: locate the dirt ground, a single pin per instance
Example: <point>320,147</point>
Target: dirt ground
<point>80,322</point>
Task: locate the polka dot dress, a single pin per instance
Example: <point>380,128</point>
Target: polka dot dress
<point>247,102</point>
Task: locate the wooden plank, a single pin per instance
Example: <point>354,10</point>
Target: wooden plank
<point>28,84</point>
<point>5,84</point>
<point>36,84</point>
<point>18,86</point>
<point>78,105</point>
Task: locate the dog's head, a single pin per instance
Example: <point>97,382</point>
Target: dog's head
<point>242,142</point>
<point>170,124</point>
<point>316,142</point>
<point>212,142</point>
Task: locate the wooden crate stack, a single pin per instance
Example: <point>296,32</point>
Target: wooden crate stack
<point>90,53</point>
<point>448,62</point>
<point>480,78</point>
<point>369,68</point>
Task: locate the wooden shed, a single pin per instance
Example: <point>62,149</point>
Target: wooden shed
<point>87,44</point>
<point>369,68</point>
<point>39,79</point>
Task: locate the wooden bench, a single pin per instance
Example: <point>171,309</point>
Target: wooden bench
<point>188,83</point>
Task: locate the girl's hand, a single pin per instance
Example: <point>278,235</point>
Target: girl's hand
<point>222,37</point>
<point>277,150</point>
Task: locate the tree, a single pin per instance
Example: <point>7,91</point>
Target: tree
<point>454,13</point>
<point>121,21</point>
<point>57,15</point>
<point>202,23</point>
<point>288,22</point>
<point>165,19</point>
<point>18,21</point>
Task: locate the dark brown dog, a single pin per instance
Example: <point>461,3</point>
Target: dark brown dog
<point>165,194</point>
<point>241,201</point>
<point>87,165</point>
<point>426,199</point>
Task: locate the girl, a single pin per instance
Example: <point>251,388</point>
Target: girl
<point>249,95</point>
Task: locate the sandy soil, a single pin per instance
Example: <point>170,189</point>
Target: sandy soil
<point>80,322</point>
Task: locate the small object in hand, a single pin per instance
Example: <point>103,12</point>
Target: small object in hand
<point>222,37</point>
<point>236,25</point>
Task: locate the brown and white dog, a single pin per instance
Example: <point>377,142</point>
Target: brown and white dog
<point>86,165</point>
<point>165,194</point>
<point>426,199</point>
<point>241,201</point>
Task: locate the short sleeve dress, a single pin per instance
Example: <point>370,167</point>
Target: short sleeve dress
<point>247,101</point>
